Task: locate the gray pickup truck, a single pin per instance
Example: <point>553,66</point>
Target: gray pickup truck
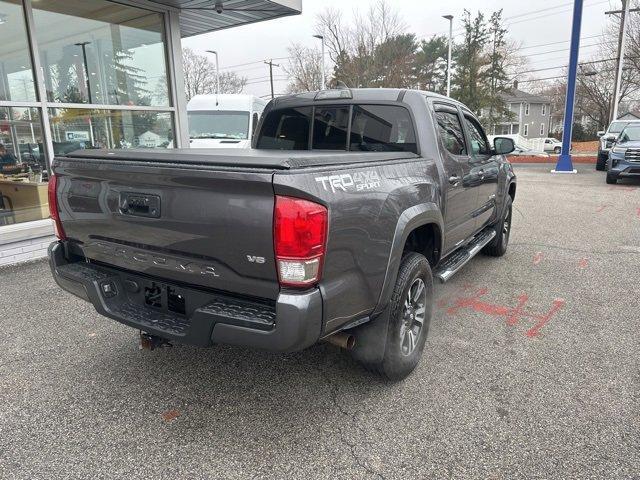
<point>332,228</point>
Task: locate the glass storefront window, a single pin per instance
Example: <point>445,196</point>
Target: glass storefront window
<point>16,74</point>
<point>23,171</point>
<point>101,52</point>
<point>74,128</point>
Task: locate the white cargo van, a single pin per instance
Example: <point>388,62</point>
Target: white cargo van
<point>223,121</point>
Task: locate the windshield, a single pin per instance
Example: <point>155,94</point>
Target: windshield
<point>630,134</point>
<point>616,127</point>
<point>219,124</point>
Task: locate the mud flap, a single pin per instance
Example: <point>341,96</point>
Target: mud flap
<point>371,339</point>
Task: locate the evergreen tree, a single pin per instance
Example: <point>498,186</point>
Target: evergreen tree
<point>471,62</point>
<point>498,81</point>
<point>431,64</point>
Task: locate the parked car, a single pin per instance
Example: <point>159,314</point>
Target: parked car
<point>624,157</point>
<point>332,229</point>
<point>607,139</point>
<point>223,121</point>
<point>552,145</point>
<point>521,151</point>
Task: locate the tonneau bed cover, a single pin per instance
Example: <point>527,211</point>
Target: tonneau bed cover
<point>249,158</point>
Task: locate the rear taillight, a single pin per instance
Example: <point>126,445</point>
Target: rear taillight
<point>53,208</point>
<point>300,237</point>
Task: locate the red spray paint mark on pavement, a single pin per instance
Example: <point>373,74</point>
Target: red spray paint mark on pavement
<point>601,208</point>
<point>443,300</point>
<point>558,303</point>
<point>170,415</point>
<point>537,258</point>
<point>512,315</point>
<point>584,262</point>
<point>518,311</point>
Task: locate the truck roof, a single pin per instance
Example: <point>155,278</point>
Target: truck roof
<point>225,101</point>
<point>361,95</point>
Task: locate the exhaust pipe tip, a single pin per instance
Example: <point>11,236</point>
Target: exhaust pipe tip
<point>342,340</point>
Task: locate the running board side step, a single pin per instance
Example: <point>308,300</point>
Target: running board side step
<point>451,265</point>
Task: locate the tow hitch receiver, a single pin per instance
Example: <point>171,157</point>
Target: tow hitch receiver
<point>151,342</point>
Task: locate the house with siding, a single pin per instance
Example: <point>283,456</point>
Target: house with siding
<point>530,115</point>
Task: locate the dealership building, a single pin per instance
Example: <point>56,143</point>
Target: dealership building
<point>93,74</point>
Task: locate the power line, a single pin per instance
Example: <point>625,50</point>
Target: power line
<point>554,78</point>
<point>526,47</point>
<point>565,66</point>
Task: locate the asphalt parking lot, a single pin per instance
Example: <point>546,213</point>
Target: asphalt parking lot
<point>531,370</point>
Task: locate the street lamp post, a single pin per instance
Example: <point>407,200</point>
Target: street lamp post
<point>217,75</point>
<point>450,18</point>
<point>321,38</point>
<point>83,45</point>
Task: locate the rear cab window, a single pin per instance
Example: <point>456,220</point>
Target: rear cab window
<point>358,127</point>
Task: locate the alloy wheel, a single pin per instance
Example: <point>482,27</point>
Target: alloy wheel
<point>413,316</point>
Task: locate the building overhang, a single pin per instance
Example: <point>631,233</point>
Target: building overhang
<point>203,16</point>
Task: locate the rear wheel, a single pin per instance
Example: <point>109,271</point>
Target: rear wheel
<point>601,162</point>
<point>557,150</point>
<point>409,318</point>
<point>498,246</point>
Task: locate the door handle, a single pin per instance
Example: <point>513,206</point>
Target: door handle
<point>454,180</point>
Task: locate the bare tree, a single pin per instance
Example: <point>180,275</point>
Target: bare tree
<point>304,68</point>
<point>231,82</point>
<point>353,48</point>
<point>200,76</point>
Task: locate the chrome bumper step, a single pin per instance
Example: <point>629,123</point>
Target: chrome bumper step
<point>452,264</point>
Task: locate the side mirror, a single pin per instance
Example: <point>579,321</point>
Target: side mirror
<point>600,133</point>
<point>503,145</point>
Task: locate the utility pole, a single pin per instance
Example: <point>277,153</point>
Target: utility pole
<point>271,65</point>
<point>622,43</point>
<point>450,18</point>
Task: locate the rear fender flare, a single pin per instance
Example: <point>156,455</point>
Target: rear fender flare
<point>408,221</point>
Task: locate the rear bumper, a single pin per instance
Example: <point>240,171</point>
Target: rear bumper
<point>293,322</point>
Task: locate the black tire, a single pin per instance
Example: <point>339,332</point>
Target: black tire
<point>399,360</point>
<point>612,179</point>
<point>601,163</point>
<point>557,150</point>
<point>498,246</point>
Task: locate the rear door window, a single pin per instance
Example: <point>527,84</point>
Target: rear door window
<point>382,128</point>
<point>330,125</point>
<point>286,129</point>
<point>451,132</point>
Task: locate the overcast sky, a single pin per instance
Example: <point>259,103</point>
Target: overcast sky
<point>530,23</point>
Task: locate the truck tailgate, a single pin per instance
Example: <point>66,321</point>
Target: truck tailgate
<point>204,226</point>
